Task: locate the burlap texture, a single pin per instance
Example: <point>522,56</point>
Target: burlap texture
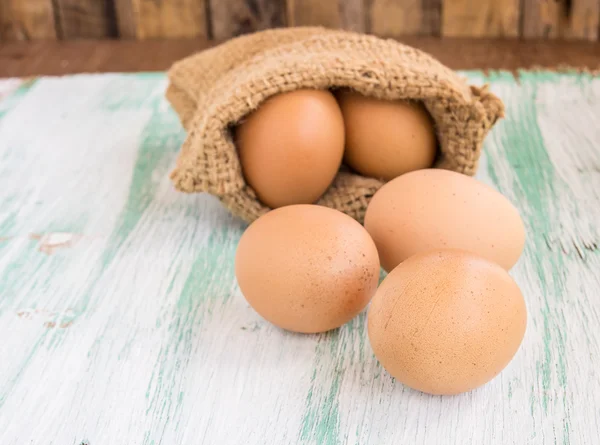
<point>213,90</point>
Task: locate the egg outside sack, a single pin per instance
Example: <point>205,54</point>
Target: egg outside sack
<point>446,322</point>
<point>307,268</point>
<point>435,209</point>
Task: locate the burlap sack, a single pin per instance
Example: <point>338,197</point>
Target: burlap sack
<point>213,90</point>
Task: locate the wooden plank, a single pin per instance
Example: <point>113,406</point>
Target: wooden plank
<point>147,19</point>
<point>53,58</point>
<point>85,18</point>
<point>314,13</point>
<point>353,15</point>
<point>558,19</point>
<point>480,18</point>
<point>26,20</point>
<point>119,308</point>
<point>230,18</point>
<point>346,14</point>
<point>126,19</point>
<point>392,18</point>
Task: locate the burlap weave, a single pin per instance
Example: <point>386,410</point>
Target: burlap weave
<point>213,90</point>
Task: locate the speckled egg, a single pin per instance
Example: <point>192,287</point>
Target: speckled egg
<point>439,209</point>
<point>446,322</point>
<point>307,268</point>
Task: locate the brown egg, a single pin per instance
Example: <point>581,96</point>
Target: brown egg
<point>307,268</point>
<point>385,139</point>
<point>438,209</point>
<point>291,147</point>
<point>446,322</point>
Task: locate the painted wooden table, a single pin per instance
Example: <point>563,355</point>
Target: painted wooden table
<point>121,321</point>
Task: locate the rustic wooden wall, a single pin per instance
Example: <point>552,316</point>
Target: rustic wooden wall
<point>222,19</point>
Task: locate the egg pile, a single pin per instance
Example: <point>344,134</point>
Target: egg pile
<point>448,317</point>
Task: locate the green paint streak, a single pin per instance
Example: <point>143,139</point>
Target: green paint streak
<point>137,87</point>
<point>157,135</point>
<point>11,382</point>
<point>6,105</point>
<point>212,266</point>
<point>77,225</point>
<point>11,275</point>
<point>161,138</point>
<point>537,184</point>
<point>13,98</point>
<point>362,335</point>
<point>202,290</point>
<point>320,423</point>
<point>7,224</point>
<point>29,82</point>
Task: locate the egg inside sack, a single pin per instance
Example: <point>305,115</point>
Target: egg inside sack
<point>446,322</point>
<point>385,139</point>
<point>291,147</point>
<point>307,268</point>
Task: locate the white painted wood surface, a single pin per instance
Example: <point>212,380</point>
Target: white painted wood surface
<point>121,322</point>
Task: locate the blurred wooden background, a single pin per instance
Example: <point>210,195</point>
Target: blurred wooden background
<point>221,19</point>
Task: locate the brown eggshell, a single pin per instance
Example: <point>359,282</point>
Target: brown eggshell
<point>307,268</point>
<point>291,147</point>
<point>446,322</point>
<point>438,209</point>
<point>385,139</point>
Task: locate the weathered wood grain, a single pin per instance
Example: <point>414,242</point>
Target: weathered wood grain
<point>91,56</point>
<point>121,321</point>
<point>480,18</point>
<point>314,13</point>
<point>353,15</point>
<point>343,14</point>
<point>230,18</point>
<point>561,19</point>
<point>85,18</point>
<point>26,20</point>
<point>146,19</point>
<point>391,18</point>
